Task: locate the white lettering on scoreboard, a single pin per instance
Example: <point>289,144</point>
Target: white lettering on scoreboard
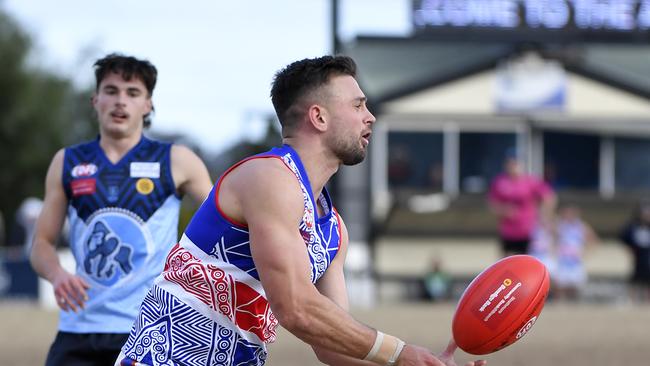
<point>613,15</point>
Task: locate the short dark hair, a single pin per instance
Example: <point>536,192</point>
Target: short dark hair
<point>129,67</point>
<point>301,78</point>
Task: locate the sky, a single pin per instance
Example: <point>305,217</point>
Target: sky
<point>215,58</point>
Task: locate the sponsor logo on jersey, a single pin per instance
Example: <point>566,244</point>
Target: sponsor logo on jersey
<point>84,170</point>
<point>144,186</point>
<point>145,169</point>
<point>82,187</point>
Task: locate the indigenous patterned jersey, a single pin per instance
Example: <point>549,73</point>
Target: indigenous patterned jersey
<point>208,306</point>
<point>123,220</point>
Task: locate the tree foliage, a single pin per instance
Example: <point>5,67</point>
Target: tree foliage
<point>40,112</point>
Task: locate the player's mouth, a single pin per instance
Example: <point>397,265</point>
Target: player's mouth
<point>365,138</point>
<point>119,115</point>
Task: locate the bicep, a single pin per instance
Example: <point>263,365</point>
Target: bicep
<point>190,174</point>
<point>52,216</point>
<point>272,207</point>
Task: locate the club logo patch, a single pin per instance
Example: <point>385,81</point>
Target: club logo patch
<point>114,244</point>
<point>83,170</point>
<point>144,186</point>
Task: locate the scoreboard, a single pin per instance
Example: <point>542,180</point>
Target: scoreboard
<point>533,20</point>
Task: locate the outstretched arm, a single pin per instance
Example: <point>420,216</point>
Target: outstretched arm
<point>332,285</point>
<point>266,196</point>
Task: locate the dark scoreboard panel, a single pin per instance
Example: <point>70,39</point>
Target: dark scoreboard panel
<point>533,20</point>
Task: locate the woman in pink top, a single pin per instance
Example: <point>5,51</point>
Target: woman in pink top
<point>516,197</point>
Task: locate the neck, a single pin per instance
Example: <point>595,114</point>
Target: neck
<point>319,162</point>
<point>116,147</point>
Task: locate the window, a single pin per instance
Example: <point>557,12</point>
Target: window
<point>415,160</point>
<point>481,158</point>
<point>632,163</point>
<point>571,161</point>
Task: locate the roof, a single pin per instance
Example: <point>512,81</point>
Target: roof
<point>392,67</point>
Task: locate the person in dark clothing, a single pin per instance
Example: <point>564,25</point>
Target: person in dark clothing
<point>636,235</point>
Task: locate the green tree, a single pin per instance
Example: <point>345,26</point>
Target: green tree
<point>40,112</point>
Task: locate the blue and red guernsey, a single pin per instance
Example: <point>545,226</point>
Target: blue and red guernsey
<point>208,306</point>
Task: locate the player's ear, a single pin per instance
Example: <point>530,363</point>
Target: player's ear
<point>318,117</point>
<point>148,106</point>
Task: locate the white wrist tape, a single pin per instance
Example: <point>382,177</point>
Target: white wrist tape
<point>400,346</point>
<point>379,339</point>
<point>385,350</point>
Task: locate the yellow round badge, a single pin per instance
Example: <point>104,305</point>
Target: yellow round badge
<point>144,185</point>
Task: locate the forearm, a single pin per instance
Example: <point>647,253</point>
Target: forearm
<point>45,260</point>
<point>322,324</point>
<point>332,358</point>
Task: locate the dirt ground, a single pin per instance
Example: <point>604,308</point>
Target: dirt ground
<point>575,335</point>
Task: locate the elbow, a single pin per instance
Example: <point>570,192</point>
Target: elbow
<point>32,255</point>
<point>324,356</point>
<point>293,314</point>
<point>293,318</point>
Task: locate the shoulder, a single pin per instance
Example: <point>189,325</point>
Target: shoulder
<point>183,159</point>
<point>59,155</point>
<point>270,171</point>
<point>55,171</point>
<point>261,186</point>
<point>264,178</point>
<point>497,182</point>
<point>58,160</point>
<point>499,178</point>
<point>538,182</point>
<point>182,152</point>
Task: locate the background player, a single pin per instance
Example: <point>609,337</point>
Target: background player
<point>122,194</point>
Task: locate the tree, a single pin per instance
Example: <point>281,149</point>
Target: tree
<point>39,113</point>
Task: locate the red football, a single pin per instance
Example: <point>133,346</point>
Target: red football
<point>500,305</point>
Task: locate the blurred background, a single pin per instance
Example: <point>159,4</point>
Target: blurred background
<point>456,86</point>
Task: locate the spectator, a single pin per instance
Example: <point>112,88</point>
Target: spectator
<point>574,238</point>
<point>436,282</point>
<point>636,236</point>
<point>515,198</point>
<point>543,245</point>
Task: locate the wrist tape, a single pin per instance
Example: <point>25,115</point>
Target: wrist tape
<point>385,350</point>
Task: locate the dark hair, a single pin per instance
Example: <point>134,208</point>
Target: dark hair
<point>302,77</point>
<point>129,67</point>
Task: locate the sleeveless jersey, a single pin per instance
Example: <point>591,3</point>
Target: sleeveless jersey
<point>123,221</point>
<point>571,242</point>
<point>208,306</point>
<point>570,270</point>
